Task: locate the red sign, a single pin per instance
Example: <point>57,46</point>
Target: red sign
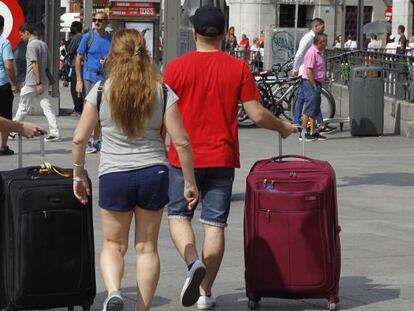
<point>133,4</point>
<point>134,12</point>
<point>388,14</point>
<point>13,19</point>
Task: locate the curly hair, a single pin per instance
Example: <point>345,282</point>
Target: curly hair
<point>133,82</point>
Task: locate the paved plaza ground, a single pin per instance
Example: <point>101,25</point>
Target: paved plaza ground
<point>375,179</point>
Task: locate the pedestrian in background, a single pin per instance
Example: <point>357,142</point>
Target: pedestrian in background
<point>391,46</point>
<point>133,171</point>
<point>374,44</point>
<point>350,43</point>
<point>305,43</point>
<point>77,98</point>
<point>314,76</point>
<point>7,75</point>
<point>230,41</point>
<point>209,112</point>
<point>36,84</point>
<point>92,51</point>
<point>402,41</point>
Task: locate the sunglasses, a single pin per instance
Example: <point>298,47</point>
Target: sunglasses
<point>99,20</point>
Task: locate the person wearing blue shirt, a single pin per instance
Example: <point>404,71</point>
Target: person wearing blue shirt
<point>89,65</point>
<point>7,75</point>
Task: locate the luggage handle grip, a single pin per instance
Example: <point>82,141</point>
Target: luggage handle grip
<point>279,158</point>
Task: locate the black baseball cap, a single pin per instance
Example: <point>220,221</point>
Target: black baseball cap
<point>208,21</point>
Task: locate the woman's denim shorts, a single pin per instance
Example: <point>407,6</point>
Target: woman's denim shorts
<point>146,188</point>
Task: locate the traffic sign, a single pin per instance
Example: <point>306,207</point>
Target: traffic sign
<point>13,19</point>
<point>388,14</point>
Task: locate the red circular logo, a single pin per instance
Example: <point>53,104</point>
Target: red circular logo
<point>13,19</point>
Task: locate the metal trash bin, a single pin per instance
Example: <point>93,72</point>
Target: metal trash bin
<point>366,101</point>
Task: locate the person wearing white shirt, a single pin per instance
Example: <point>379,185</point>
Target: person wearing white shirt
<point>350,44</point>
<point>374,44</point>
<point>391,47</point>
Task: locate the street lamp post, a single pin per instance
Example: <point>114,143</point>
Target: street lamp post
<point>360,23</point>
<point>296,25</point>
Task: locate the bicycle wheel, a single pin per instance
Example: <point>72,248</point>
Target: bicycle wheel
<point>243,119</point>
<point>282,108</point>
<point>328,106</point>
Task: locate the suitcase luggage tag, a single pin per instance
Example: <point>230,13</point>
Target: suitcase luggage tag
<point>45,168</point>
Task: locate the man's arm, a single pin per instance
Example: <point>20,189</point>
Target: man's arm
<point>39,83</point>
<point>78,69</point>
<point>26,129</point>
<point>304,45</point>
<point>9,65</point>
<point>311,77</point>
<point>265,119</point>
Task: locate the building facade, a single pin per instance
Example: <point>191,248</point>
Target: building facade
<point>250,17</point>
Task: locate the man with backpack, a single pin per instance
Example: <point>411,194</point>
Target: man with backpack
<point>92,51</point>
<point>70,59</point>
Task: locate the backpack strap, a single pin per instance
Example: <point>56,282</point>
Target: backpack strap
<point>164,106</point>
<point>100,92</point>
<point>90,40</point>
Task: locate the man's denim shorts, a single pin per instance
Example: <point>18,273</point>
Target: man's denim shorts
<point>215,186</point>
<point>312,98</point>
<point>123,191</point>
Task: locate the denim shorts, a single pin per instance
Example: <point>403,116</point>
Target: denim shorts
<point>215,186</point>
<point>312,98</point>
<point>123,191</point>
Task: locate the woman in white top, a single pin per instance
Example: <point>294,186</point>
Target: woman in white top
<point>133,171</point>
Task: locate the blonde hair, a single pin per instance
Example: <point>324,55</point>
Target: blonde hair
<point>133,82</point>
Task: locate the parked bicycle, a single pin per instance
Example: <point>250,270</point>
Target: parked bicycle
<point>278,92</point>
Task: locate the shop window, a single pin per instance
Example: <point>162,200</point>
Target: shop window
<point>287,15</point>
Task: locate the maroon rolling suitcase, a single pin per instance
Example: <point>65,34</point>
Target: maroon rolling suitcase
<point>291,232</point>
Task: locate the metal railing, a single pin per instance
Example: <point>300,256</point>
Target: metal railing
<point>254,59</point>
<point>398,70</point>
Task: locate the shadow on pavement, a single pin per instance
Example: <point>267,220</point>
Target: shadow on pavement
<point>380,179</point>
<point>130,299</point>
<point>357,291</point>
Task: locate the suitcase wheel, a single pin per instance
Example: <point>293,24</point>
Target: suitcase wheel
<point>333,304</point>
<point>253,304</point>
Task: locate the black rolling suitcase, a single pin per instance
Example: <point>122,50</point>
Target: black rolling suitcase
<point>46,240</point>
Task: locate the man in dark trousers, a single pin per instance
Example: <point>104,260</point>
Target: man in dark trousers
<point>209,84</point>
<point>7,75</point>
<point>76,31</point>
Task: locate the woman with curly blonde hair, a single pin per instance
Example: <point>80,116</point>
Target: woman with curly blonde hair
<point>133,171</point>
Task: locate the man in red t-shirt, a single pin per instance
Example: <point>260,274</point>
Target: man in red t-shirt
<point>209,84</point>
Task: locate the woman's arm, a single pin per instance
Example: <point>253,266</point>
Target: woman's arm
<point>81,136</point>
<point>182,144</point>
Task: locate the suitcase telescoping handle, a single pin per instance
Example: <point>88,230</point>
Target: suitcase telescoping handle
<point>301,133</point>
<point>42,150</point>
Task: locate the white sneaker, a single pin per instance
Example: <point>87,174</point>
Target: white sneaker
<point>191,289</point>
<point>206,302</point>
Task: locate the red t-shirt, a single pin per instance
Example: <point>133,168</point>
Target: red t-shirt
<point>209,85</point>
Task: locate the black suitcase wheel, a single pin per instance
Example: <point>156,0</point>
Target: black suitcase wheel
<point>253,304</point>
